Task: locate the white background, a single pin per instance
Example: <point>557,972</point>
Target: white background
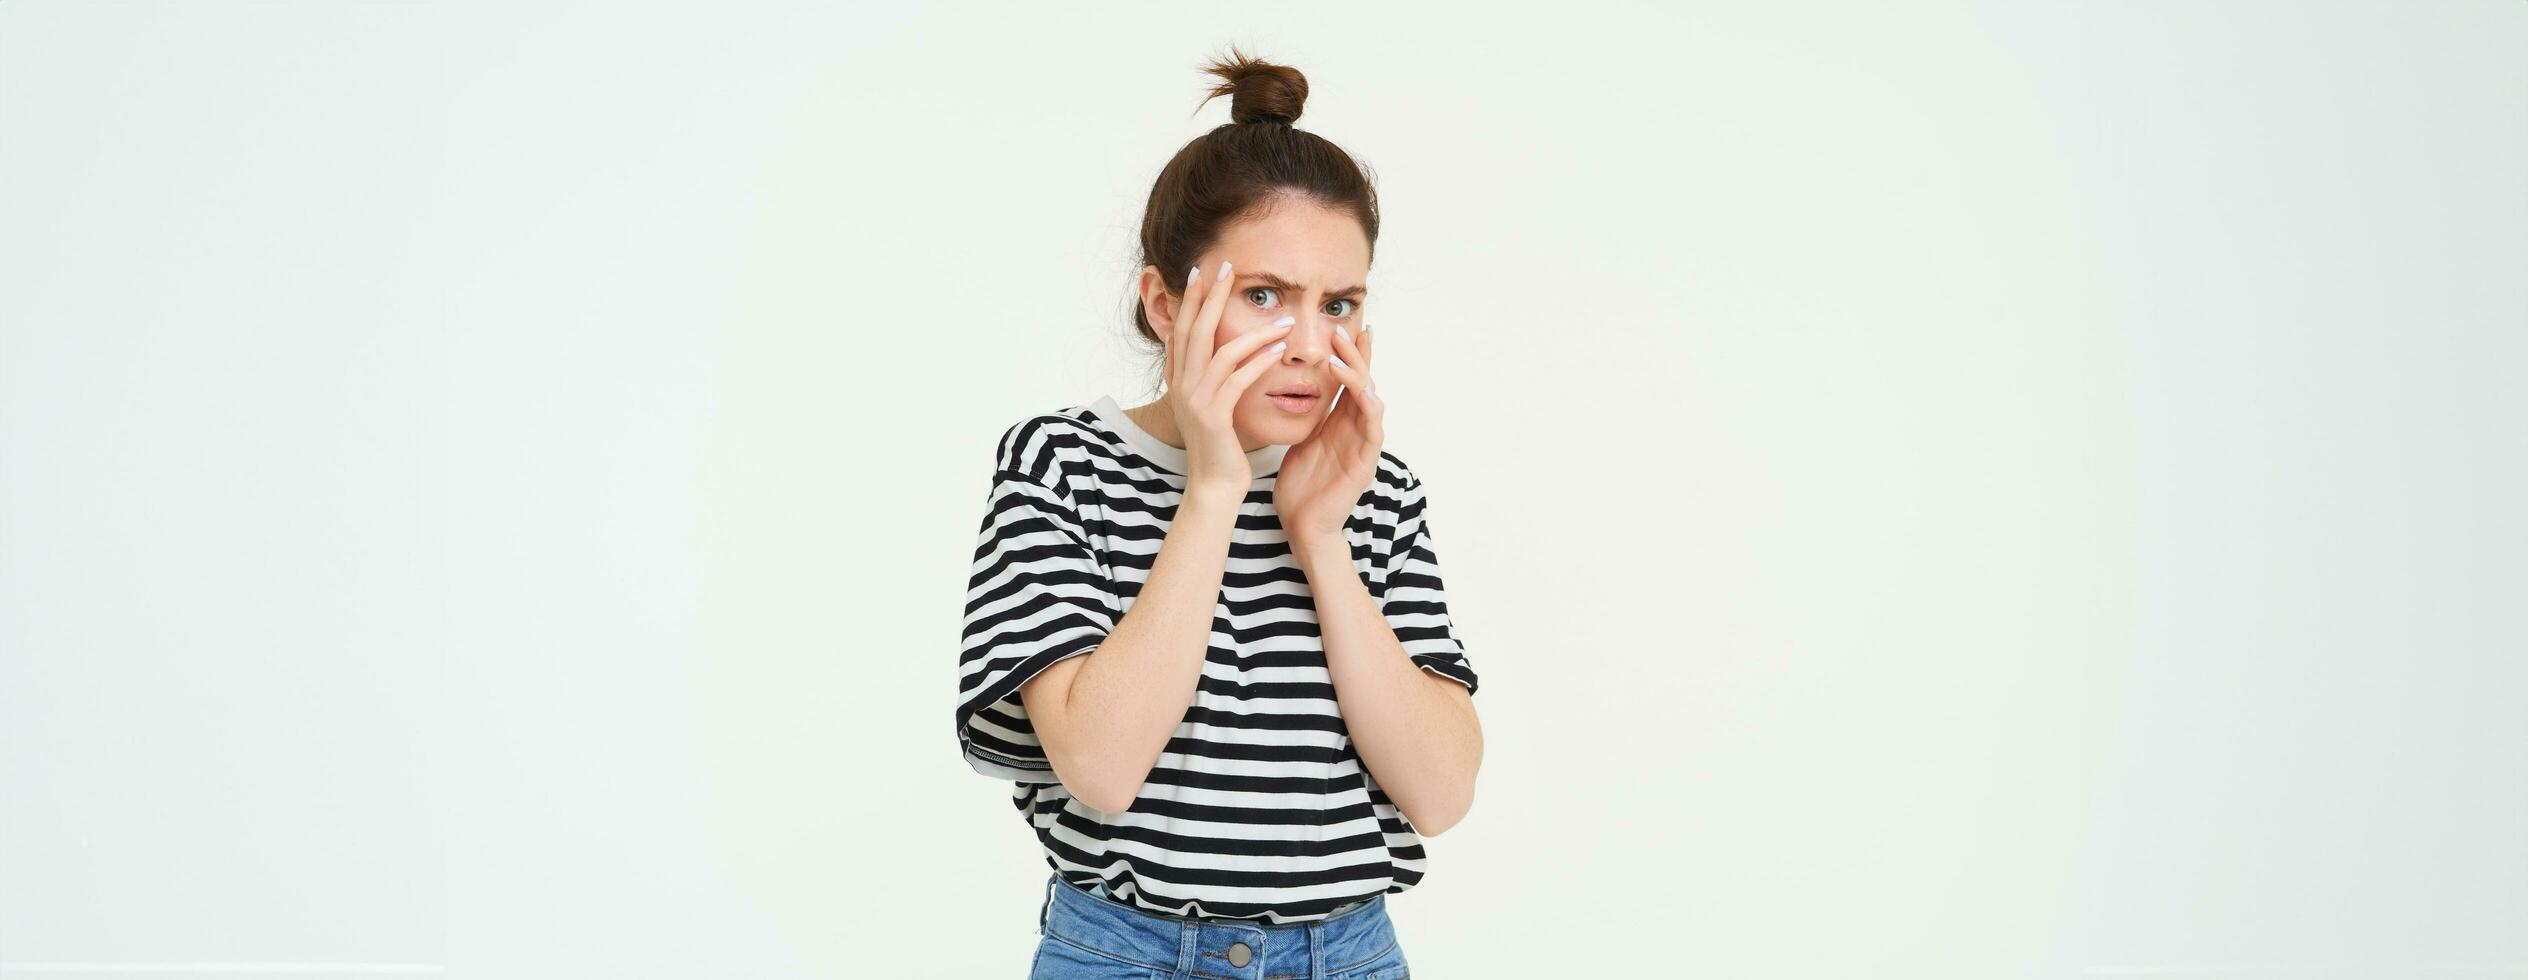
<point>1946,490</point>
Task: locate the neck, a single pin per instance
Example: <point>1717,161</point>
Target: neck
<point>1159,420</point>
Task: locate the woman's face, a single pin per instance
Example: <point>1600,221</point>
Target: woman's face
<point>1302,260</point>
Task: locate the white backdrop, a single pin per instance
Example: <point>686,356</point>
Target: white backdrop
<point>1945,490</point>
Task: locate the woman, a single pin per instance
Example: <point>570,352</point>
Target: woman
<point>1205,637</point>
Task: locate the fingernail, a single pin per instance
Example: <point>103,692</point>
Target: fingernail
<point>1340,332</point>
<point>1338,362</point>
<point>1224,272</point>
<point>1281,345</point>
<point>1286,321</point>
<point>1192,274</point>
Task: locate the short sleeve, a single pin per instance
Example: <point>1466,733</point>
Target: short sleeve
<point>1037,595</point>
<point>1411,595</point>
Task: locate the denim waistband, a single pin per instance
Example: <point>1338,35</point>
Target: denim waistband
<point>1349,937</point>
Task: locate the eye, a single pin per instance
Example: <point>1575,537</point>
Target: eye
<point>1349,307</point>
<point>1252,290</point>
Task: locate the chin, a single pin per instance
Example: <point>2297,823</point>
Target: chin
<point>1282,427</point>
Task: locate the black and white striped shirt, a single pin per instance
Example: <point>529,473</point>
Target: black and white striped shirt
<point>1259,807</point>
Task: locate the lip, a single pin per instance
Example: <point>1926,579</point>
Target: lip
<point>1294,389</point>
<point>1294,406</point>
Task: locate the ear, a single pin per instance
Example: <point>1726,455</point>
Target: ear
<point>1157,303</point>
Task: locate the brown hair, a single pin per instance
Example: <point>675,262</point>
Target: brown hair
<point>1254,157</point>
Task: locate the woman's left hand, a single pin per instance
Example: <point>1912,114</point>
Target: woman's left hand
<point>1322,476</point>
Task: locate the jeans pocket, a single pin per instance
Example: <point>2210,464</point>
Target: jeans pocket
<point>1060,960</point>
<point>1389,965</point>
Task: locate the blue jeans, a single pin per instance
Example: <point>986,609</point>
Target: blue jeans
<point>1090,936</point>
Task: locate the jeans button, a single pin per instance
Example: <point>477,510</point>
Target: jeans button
<point>1239,954</point>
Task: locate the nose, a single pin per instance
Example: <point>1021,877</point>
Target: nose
<point>1311,340</point>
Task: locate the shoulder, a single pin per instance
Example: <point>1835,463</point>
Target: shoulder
<point>1396,488</point>
<point>1041,445</point>
<point>1392,470</point>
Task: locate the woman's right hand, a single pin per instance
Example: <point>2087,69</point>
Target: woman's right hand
<point>1204,382</point>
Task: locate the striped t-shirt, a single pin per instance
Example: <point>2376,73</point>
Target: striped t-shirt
<point>1258,807</point>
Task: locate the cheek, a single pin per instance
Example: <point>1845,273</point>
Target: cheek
<point>1255,414</point>
<point>1234,324</point>
<point>1243,316</point>
<point>1228,333</point>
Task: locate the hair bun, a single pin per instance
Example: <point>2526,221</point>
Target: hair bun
<point>1259,91</point>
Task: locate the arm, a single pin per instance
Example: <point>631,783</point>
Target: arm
<point>1415,730</point>
<point>1105,716</point>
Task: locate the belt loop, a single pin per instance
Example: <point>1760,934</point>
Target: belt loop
<point>1044,916</point>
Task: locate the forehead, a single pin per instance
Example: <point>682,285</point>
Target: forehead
<point>1305,242</point>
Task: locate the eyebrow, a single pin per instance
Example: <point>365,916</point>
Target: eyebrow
<point>1278,282</point>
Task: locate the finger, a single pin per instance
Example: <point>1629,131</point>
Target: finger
<point>1369,410</point>
<point>1236,385</point>
<point>1226,360</point>
<point>1182,327</point>
<point>1206,330</point>
<point>1347,345</point>
<point>1357,382</point>
<point>1369,349</point>
<point>1360,413</point>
